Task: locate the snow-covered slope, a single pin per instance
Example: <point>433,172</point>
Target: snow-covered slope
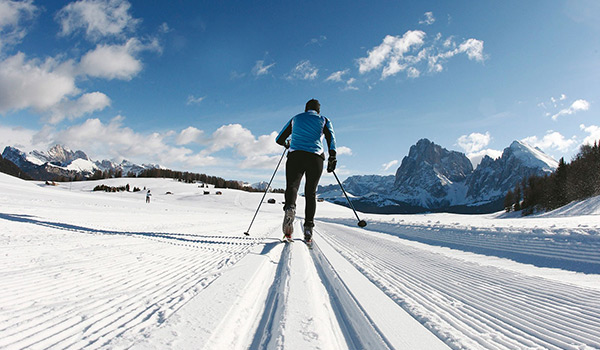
<point>83,269</point>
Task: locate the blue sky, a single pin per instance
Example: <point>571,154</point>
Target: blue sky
<point>205,85</point>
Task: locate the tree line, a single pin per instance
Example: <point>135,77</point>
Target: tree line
<point>577,180</point>
<point>188,177</point>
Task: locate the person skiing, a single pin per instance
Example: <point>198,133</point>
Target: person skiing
<point>148,195</point>
<point>306,156</point>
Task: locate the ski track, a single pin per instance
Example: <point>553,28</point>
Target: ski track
<point>469,305</point>
<point>569,249</point>
<point>108,287</point>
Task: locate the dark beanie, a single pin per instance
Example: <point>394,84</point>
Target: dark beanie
<point>314,105</point>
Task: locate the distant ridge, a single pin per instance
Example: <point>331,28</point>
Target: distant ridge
<point>434,179</point>
<point>61,163</point>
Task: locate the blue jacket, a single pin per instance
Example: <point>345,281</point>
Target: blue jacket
<point>307,130</point>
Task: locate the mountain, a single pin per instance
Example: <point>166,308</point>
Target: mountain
<point>432,178</point>
<point>494,178</point>
<point>61,162</point>
<point>10,168</point>
<point>429,175</point>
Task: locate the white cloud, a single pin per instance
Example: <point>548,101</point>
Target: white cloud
<point>476,157</point>
<point>389,165</point>
<point>304,70</point>
<point>344,150</point>
<point>12,16</point>
<point>36,84</point>
<point>194,100</point>
<point>553,140</point>
<point>474,142</point>
<point>578,105</point>
<point>349,84</point>
<point>243,141</point>
<point>21,138</point>
<point>337,76</point>
<point>474,145</point>
<point>594,134</point>
<point>428,20</point>
<point>190,135</point>
<point>115,61</point>
<point>413,72</point>
<point>398,54</point>
<point>260,68</point>
<point>473,48</point>
<point>85,104</point>
<point>98,18</point>
<point>113,140</point>
<point>392,51</point>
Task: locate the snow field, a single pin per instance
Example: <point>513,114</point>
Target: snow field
<point>471,305</point>
<point>82,269</point>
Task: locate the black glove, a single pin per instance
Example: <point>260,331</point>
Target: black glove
<point>286,144</point>
<point>331,163</point>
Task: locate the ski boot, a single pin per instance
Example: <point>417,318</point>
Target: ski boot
<point>308,236</point>
<point>288,224</point>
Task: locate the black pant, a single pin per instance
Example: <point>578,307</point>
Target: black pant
<point>300,163</point>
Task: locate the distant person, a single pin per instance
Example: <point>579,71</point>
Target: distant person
<point>306,156</point>
<point>148,195</point>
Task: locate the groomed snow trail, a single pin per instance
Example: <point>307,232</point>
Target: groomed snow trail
<point>90,270</point>
<point>470,305</point>
<point>103,287</point>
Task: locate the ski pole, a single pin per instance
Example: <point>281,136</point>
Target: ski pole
<point>247,233</point>
<point>361,223</point>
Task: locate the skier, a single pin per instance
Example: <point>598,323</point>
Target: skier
<point>148,195</point>
<point>306,156</point>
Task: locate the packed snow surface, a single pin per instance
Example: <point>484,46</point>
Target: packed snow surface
<point>83,269</point>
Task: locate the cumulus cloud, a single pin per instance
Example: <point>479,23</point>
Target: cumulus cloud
<point>553,140</point>
<point>32,83</point>
<point>474,142</point>
<point>428,20</point>
<point>21,138</point>
<point>304,70</point>
<point>344,150</point>
<point>85,104</point>
<point>190,135</point>
<point>97,18</point>
<point>113,140</point>
<point>387,166</point>
<point>115,61</point>
<point>12,16</point>
<point>477,157</point>
<point>474,145</point>
<point>405,54</point>
<point>593,134</point>
<point>243,141</point>
<point>261,69</point>
<point>577,106</point>
<point>391,52</point>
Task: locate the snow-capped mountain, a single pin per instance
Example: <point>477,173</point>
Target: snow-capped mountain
<point>432,178</point>
<point>494,178</point>
<point>60,161</point>
<point>429,175</point>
